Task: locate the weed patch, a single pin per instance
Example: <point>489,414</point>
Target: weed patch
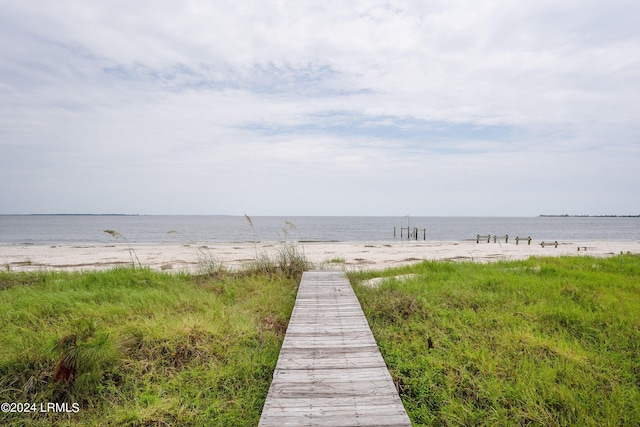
<point>390,306</point>
<point>545,341</point>
<point>137,347</point>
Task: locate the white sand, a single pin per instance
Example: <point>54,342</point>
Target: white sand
<point>346,256</point>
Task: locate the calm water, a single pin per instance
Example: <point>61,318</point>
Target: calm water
<point>59,229</point>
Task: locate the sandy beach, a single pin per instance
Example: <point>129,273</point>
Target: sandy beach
<point>335,255</point>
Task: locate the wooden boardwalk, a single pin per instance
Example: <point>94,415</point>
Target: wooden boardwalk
<point>330,371</point>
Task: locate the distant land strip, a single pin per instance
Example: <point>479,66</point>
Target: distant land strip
<point>72,214</point>
<point>590,216</point>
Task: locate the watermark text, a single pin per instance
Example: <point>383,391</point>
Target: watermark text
<point>26,407</point>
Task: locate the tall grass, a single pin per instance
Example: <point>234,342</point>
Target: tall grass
<point>546,342</point>
<point>132,251</point>
<point>135,347</point>
<point>289,260</point>
<point>207,262</point>
<point>253,230</point>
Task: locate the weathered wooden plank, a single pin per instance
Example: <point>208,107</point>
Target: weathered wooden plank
<point>344,406</point>
<point>321,420</point>
<point>330,371</point>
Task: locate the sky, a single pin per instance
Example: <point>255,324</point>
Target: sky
<point>422,108</point>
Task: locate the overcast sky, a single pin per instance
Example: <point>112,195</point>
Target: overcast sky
<point>466,108</point>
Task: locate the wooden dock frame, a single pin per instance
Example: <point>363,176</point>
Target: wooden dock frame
<point>412,232</point>
<point>496,238</point>
<point>330,371</point>
<point>479,237</point>
<point>528,239</point>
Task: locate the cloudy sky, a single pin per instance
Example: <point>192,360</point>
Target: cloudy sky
<point>438,107</point>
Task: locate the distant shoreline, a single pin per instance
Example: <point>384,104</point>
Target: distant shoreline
<point>224,215</point>
<point>70,214</point>
<point>588,216</point>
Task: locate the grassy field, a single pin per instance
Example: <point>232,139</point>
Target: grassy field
<point>547,342</point>
<point>132,347</point>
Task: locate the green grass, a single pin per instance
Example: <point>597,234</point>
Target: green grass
<point>139,348</point>
<point>545,342</point>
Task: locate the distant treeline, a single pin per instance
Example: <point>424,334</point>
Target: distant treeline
<point>591,216</point>
<point>77,214</point>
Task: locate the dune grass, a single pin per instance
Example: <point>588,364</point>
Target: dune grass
<point>135,347</point>
<point>546,342</point>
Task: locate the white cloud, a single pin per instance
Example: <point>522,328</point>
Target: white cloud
<point>277,107</point>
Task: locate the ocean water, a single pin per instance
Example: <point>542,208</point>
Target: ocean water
<point>89,229</point>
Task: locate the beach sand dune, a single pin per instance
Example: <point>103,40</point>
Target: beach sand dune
<point>338,255</point>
